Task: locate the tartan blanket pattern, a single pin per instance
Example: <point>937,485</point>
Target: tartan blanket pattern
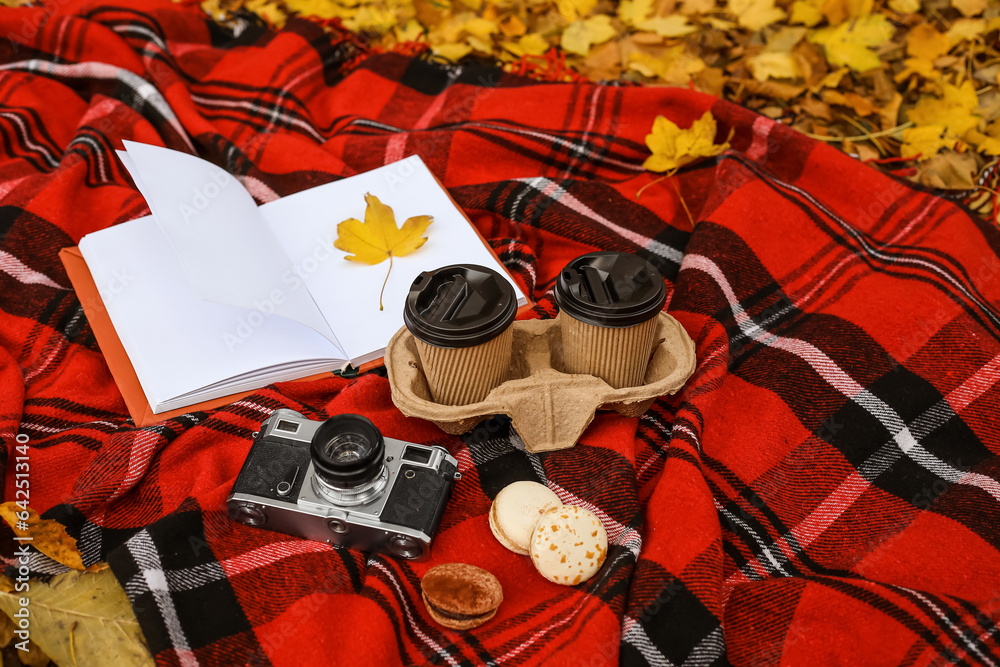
<point>825,490</point>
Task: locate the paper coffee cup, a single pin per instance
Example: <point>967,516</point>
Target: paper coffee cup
<point>460,316</point>
<point>609,302</point>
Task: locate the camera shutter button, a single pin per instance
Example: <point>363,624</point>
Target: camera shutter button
<point>284,487</point>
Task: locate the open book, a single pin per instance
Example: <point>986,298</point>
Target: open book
<point>212,295</point>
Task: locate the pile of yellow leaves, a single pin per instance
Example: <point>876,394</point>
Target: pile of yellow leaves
<point>80,617</point>
<point>913,79</point>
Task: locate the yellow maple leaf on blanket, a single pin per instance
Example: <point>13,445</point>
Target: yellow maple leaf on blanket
<point>673,147</point>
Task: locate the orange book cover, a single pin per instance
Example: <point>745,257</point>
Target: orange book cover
<point>114,352</point>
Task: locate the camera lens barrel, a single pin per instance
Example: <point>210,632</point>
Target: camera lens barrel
<point>347,451</point>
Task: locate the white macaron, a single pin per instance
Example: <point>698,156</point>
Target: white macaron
<point>516,510</point>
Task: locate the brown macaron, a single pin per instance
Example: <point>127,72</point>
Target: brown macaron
<point>461,596</point>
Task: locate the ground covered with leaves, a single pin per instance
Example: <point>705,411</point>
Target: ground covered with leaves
<point>911,85</point>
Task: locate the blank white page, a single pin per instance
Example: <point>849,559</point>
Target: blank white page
<point>226,250</point>
<point>178,342</point>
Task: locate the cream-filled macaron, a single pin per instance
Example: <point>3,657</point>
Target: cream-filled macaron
<point>569,545</point>
<point>516,510</point>
<point>461,596</point>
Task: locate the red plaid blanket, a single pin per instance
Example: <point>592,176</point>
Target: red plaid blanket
<point>825,490</point>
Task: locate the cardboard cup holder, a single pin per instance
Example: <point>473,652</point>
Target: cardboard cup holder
<point>549,408</point>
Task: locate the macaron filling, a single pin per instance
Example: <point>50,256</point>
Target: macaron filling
<point>455,616</point>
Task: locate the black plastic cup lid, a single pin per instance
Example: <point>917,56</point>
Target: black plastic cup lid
<point>459,306</point>
<point>610,289</point>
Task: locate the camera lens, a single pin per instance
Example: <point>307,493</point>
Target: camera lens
<point>346,448</point>
<point>347,453</point>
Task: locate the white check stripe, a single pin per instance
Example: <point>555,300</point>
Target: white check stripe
<point>635,635</point>
<point>875,250</point>
<point>274,113</point>
<point>706,651</point>
<point>695,439</point>
<point>834,273</point>
<point>855,484</point>
<point>404,602</point>
<point>147,558</point>
<point>834,505</point>
<point>143,31</point>
<point>29,141</point>
<point>271,553</point>
<point>145,90</point>
<point>776,564</point>
<point>98,152</point>
<point>572,147</point>
<point>577,154</point>
<point>140,455</point>
<point>13,267</point>
<point>618,533</point>
<point>556,192</point>
<point>961,634</point>
<point>73,427</point>
<point>254,406</point>
<point>53,352</point>
<point>630,538</point>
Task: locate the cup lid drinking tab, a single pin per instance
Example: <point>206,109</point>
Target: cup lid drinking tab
<point>459,306</point>
<point>610,289</point>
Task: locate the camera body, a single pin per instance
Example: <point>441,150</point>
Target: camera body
<point>341,482</point>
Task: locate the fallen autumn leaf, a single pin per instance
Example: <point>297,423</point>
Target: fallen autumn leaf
<point>377,238</point>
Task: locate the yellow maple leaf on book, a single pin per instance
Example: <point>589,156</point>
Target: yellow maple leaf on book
<point>377,238</point>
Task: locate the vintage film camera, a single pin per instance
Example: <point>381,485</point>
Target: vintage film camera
<point>341,482</point>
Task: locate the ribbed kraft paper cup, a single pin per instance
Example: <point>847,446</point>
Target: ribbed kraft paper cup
<point>618,356</point>
<point>608,306</point>
<point>463,375</point>
<point>460,317</point>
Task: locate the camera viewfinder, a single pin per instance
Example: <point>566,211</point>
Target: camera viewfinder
<point>417,455</point>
